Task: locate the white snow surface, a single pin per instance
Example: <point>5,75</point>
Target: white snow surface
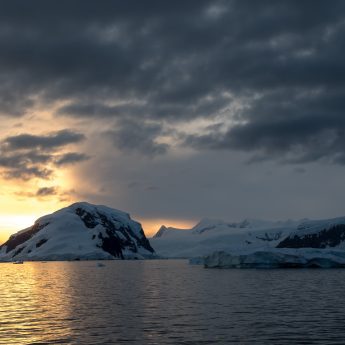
<point>67,237</point>
<point>309,227</point>
<point>209,236</point>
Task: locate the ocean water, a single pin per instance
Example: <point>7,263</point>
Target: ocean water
<point>168,302</point>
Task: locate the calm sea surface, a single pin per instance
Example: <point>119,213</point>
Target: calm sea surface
<point>168,302</point>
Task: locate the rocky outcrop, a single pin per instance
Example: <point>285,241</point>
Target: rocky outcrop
<point>331,237</point>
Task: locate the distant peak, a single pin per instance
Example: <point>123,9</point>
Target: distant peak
<point>208,221</point>
<point>206,224</point>
<point>160,232</point>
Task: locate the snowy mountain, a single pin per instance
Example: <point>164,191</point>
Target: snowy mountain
<point>166,231</point>
<point>317,234</point>
<point>248,236</point>
<point>80,231</point>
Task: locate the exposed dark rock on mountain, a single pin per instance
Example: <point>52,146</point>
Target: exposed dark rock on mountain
<point>331,237</point>
<point>80,231</point>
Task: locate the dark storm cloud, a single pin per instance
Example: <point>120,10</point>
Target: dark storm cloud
<point>24,165</point>
<point>130,135</point>
<point>181,60</point>
<point>15,159</point>
<point>148,109</point>
<point>28,156</point>
<point>25,172</point>
<point>89,110</point>
<point>52,192</point>
<point>46,191</point>
<point>303,129</point>
<point>71,158</point>
<point>42,142</point>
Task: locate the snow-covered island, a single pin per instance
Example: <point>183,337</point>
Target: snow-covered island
<point>81,231</point>
<point>255,243</point>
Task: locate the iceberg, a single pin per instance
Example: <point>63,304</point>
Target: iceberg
<point>277,258</point>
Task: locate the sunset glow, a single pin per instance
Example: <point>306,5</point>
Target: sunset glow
<point>24,200</point>
<point>151,226</point>
<point>13,223</point>
<point>218,124</point>
<point>91,110</point>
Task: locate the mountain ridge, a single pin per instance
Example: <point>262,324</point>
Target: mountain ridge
<point>79,231</point>
<point>209,236</point>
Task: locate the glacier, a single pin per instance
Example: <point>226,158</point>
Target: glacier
<point>256,243</point>
<point>215,235</point>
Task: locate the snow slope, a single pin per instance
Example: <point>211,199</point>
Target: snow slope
<point>209,236</point>
<point>317,234</point>
<point>80,231</point>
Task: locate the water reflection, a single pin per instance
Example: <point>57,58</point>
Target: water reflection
<point>34,300</point>
<point>168,302</point>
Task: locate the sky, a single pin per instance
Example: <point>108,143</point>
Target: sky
<point>172,111</point>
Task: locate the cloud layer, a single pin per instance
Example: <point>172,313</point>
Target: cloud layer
<point>281,63</point>
<point>27,156</point>
<point>156,106</point>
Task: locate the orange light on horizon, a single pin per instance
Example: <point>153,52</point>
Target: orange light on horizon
<point>151,226</point>
<point>21,205</point>
<point>10,224</point>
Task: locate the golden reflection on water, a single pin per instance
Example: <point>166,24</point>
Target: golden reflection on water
<point>78,303</point>
<point>33,297</point>
<point>167,302</point>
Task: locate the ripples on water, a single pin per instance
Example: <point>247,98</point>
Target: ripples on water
<point>168,302</point>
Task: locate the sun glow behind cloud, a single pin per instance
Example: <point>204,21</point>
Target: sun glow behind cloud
<point>22,202</point>
<point>166,130</point>
<point>13,223</point>
<point>18,213</point>
<point>30,146</point>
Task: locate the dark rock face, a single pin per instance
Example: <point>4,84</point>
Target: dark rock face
<point>112,245</point>
<point>119,237</point>
<point>16,240</point>
<point>18,251</point>
<point>270,237</point>
<point>41,242</point>
<point>86,217</point>
<point>331,237</point>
